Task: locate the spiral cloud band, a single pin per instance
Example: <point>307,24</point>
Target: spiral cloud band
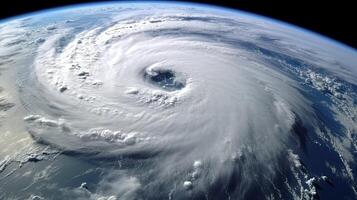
<point>194,103</point>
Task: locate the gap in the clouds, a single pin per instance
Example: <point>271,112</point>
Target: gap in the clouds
<point>166,79</point>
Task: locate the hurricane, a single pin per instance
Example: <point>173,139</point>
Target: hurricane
<point>193,103</point>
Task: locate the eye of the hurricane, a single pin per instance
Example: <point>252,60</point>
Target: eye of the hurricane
<point>165,79</point>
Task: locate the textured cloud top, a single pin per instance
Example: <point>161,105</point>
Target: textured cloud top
<point>193,102</point>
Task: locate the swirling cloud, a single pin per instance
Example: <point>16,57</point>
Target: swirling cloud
<point>198,103</point>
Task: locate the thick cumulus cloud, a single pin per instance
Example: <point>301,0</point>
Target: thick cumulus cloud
<point>191,104</point>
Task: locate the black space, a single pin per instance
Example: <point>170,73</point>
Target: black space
<point>335,19</point>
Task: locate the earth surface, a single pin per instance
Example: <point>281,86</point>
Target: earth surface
<point>173,101</point>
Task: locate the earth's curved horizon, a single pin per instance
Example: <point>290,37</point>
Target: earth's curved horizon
<point>173,100</point>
